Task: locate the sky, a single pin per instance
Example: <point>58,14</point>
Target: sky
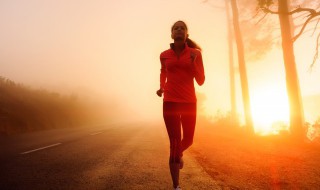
<point>110,51</point>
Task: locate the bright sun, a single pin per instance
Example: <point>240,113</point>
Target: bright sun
<point>270,110</point>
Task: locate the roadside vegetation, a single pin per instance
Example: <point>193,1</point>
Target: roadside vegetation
<point>24,109</point>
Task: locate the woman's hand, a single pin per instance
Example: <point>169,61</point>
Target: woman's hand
<point>159,92</point>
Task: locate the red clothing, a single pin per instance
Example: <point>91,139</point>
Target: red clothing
<point>177,74</point>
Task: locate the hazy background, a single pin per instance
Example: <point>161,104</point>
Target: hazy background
<point>109,51</point>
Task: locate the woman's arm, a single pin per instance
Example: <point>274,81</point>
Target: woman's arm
<point>198,67</point>
<point>163,78</point>
<point>163,74</point>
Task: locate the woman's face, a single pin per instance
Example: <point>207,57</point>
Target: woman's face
<point>179,31</point>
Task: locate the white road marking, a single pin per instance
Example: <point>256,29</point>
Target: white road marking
<point>34,150</point>
<point>96,133</point>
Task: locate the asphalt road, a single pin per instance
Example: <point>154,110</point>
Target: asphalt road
<point>131,156</point>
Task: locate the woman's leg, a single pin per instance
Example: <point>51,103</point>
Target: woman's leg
<point>173,124</point>
<point>188,120</point>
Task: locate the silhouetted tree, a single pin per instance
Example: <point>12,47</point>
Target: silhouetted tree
<point>233,113</point>
<point>292,82</point>
<point>257,44</point>
<point>242,67</point>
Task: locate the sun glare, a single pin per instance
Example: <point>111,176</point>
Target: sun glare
<point>270,111</point>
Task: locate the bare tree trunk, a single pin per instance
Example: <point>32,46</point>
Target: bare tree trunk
<point>293,89</point>
<point>231,66</point>
<point>242,68</point>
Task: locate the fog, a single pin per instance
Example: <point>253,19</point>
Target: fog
<point>106,51</point>
<point>109,51</point>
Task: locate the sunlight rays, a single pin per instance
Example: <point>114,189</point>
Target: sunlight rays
<point>270,110</point>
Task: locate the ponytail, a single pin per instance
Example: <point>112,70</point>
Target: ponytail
<point>193,44</point>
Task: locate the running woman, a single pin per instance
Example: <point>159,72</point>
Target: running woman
<point>180,65</point>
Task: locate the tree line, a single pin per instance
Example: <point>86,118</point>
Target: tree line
<point>24,109</point>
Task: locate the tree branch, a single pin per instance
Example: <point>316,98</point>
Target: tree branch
<point>267,10</point>
<point>315,27</point>
<point>297,10</point>
<point>262,17</point>
<point>312,14</point>
<point>315,57</point>
<point>305,24</point>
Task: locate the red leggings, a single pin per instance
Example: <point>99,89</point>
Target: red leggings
<point>176,115</point>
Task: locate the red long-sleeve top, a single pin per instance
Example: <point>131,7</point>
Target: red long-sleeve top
<point>178,73</point>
